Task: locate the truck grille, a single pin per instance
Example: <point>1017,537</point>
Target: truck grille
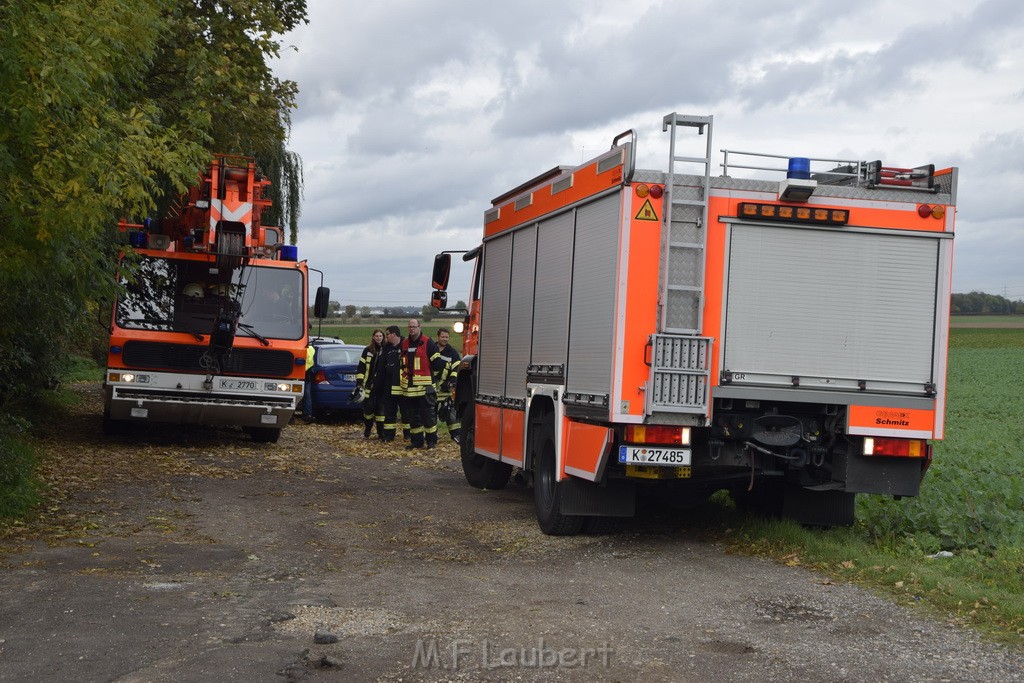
<point>154,355</point>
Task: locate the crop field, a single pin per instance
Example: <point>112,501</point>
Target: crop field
<point>360,333</point>
<point>973,495</point>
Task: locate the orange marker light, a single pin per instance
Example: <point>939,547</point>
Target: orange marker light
<point>642,190</point>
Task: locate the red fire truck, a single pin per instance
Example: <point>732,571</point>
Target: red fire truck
<point>781,336</point>
<point>212,325</point>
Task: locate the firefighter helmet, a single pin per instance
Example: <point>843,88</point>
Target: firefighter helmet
<point>193,290</point>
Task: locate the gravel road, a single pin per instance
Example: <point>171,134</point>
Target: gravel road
<point>193,554</point>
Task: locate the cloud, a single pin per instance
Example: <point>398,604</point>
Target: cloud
<point>413,114</point>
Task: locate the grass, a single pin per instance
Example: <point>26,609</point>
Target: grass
<point>971,506</point>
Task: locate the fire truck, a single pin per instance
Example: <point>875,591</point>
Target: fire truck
<point>212,324</point>
<point>778,331</point>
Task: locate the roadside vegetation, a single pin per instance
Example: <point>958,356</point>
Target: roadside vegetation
<point>110,109</point>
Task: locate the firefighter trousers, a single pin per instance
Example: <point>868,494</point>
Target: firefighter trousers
<point>419,411</point>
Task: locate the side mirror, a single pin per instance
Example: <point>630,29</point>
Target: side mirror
<point>439,299</point>
<point>442,268</point>
<point>323,301</point>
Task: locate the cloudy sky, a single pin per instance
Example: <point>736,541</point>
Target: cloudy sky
<point>414,114</point>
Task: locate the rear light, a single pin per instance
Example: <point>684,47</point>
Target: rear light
<point>903,448</point>
<point>320,377</point>
<point>662,434</point>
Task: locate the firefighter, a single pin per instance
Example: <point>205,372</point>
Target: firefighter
<point>387,384</point>
<point>307,395</point>
<point>368,362</point>
<point>421,362</point>
<point>446,383</point>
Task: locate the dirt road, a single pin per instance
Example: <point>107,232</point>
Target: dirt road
<point>193,555</point>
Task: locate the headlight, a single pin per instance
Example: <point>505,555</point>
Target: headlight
<point>129,377</point>
<point>277,386</point>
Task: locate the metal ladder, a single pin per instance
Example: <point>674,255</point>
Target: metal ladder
<point>680,357</point>
<point>686,218</point>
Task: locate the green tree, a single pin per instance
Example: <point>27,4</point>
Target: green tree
<point>350,311</point>
<point>110,108</point>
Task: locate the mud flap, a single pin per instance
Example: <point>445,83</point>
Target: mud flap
<point>881,475</point>
<point>617,499</point>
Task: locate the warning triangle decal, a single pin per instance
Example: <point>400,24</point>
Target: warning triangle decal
<point>646,212</point>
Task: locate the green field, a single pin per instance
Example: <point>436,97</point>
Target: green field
<point>359,333</point>
<point>971,505</point>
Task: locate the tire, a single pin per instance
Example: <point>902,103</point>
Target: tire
<point>264,434</point>
<point>481,472</point>
<point>765,500</point>
<point>548,492</point>
<point>112,427</point>
<point>819,508</point>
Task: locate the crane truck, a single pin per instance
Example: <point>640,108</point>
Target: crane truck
<point>211,326</point>
<point>781,335</point>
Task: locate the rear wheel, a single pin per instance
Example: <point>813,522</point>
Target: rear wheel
<point>481,472</point>
<point>548,492</point>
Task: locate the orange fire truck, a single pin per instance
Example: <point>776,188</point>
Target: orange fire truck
<point>781,336</point>
<point>212,325</point>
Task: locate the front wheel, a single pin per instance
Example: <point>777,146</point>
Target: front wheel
<point>548,492</point>
<point>481,472</point>
<point>264,434</point>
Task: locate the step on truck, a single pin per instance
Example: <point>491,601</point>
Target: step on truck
<point>211,327</point>
<point>675,333</point>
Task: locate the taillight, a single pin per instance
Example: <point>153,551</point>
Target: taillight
<point>320,377</point>
<point>663,434</point>
<point>903,448</point>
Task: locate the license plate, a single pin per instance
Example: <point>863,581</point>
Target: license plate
<point>242,384</point>
<point>654,455</point>
<point>349,378</point>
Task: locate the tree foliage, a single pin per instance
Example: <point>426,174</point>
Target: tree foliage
<point>981,303</point>
<point>111,107</point>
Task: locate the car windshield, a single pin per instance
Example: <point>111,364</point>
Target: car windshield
<point>336,355</point>
<point>172,295</point>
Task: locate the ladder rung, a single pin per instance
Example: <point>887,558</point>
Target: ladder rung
<point>688,202</point>
<point>685,288</point>
<point>687,245</point>
<point>694,160</point>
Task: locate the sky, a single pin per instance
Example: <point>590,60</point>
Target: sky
<point>413,114</point>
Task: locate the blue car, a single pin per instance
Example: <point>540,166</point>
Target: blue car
<point>334,378</point>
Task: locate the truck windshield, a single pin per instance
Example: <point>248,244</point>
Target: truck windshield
<point>170,295</point>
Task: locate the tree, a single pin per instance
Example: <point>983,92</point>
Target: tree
<point>110,108</point>
<point>350,311</point>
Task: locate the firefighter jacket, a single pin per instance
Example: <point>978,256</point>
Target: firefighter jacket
<point>449,373</point>
<point>421,361</point>
<point>368,362</point>
<point>387,375</point>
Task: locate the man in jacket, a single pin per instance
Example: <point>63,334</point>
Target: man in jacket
<point>421,362</point>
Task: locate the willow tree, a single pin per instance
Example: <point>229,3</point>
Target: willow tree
<point>233,101</point>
